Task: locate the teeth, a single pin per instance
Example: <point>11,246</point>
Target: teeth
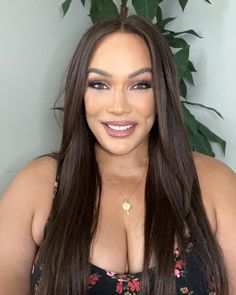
<point>120,127</point>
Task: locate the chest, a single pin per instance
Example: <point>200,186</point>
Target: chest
<point>118,244</point>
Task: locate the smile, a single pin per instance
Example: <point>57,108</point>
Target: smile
<point>119,127</point>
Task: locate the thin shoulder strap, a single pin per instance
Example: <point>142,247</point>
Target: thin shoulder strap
<point>57,179</point>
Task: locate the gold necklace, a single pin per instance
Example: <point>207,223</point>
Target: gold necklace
<point>126,205</point>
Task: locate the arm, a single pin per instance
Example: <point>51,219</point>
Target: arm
<point>18,208</point>
<point>218,186</point>
<point>225,207</point>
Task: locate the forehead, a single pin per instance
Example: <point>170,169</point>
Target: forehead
<point>121,53</point>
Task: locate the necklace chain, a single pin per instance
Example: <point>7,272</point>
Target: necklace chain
<point>126,205</point>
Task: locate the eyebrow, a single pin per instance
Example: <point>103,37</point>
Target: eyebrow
<point>132,75</point>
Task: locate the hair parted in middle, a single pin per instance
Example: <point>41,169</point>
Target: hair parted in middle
<point>173,201</point>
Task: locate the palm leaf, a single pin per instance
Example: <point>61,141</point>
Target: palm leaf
<point>203,106</point>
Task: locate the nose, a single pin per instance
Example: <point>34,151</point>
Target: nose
<point>119,104</point>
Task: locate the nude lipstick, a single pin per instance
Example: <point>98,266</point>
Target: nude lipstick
<point>119,128</point>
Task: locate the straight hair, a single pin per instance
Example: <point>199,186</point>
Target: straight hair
<point>173,201</point>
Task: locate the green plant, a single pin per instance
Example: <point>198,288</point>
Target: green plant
<point>199,135</point>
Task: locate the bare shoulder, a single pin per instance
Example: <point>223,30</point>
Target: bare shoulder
<point>23,212</point>
<point>41,169</point>
<point>215,176</point>
<point>31,190</point>
<point>34,178</point>
<point>218,185</point>
<point>204,161</point>
<point>36,175</point>
<point>44,170</point>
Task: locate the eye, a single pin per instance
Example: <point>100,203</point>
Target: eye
<point>142,85</point>
<point>99,85</point>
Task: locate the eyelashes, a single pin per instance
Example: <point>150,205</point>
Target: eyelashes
<point>97,84</point>
<point>101,85</point>
<point>143,85</point>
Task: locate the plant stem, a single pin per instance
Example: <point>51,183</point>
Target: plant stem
<point>123,11</point>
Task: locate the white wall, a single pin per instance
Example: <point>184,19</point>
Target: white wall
<point>37,43</point>
<point>35,48</point>
<point>214,56</point>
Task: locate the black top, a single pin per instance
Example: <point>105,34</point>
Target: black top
<point>188,274</point>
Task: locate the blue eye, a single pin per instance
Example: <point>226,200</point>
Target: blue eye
<point>97,85</point>
<point>142,85</point>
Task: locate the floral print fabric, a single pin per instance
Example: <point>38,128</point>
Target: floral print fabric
<point>188,273</point>
<point>108,282</point>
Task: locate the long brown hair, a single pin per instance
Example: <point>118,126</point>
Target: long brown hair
<point>172,193</point>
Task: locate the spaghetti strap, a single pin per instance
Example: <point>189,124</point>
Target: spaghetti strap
<point>55,189</point>
<point>57,179</point>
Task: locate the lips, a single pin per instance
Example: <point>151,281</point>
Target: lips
<point>119,123</point>
<point>119,128</point>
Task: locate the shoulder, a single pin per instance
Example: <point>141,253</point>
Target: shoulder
<point>40,169</point>
<point>23,209</point>
<point>30,193</point>
<point>207,162</point>
<point>218,176</point>
<point>35,175</point>
<point>218,185</point>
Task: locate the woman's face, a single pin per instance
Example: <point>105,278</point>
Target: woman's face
<point>119,100</point>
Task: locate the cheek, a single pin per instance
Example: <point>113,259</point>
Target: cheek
<point>92,105</point>
<point>146,107</point>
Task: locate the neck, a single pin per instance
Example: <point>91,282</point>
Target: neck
<point>131,164</point>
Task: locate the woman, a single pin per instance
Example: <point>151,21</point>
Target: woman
<point>133,209</point>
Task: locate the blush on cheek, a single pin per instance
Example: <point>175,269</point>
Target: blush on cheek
<point>147,108</point>
<point>90,106</point>
<point>93,105</point>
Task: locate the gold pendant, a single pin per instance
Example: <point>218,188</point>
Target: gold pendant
<point>126,206</point>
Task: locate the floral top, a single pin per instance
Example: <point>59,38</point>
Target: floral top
<point>188,274</point>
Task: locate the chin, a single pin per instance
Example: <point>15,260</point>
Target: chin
<point>122,146</point>
<point>119,149</point>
